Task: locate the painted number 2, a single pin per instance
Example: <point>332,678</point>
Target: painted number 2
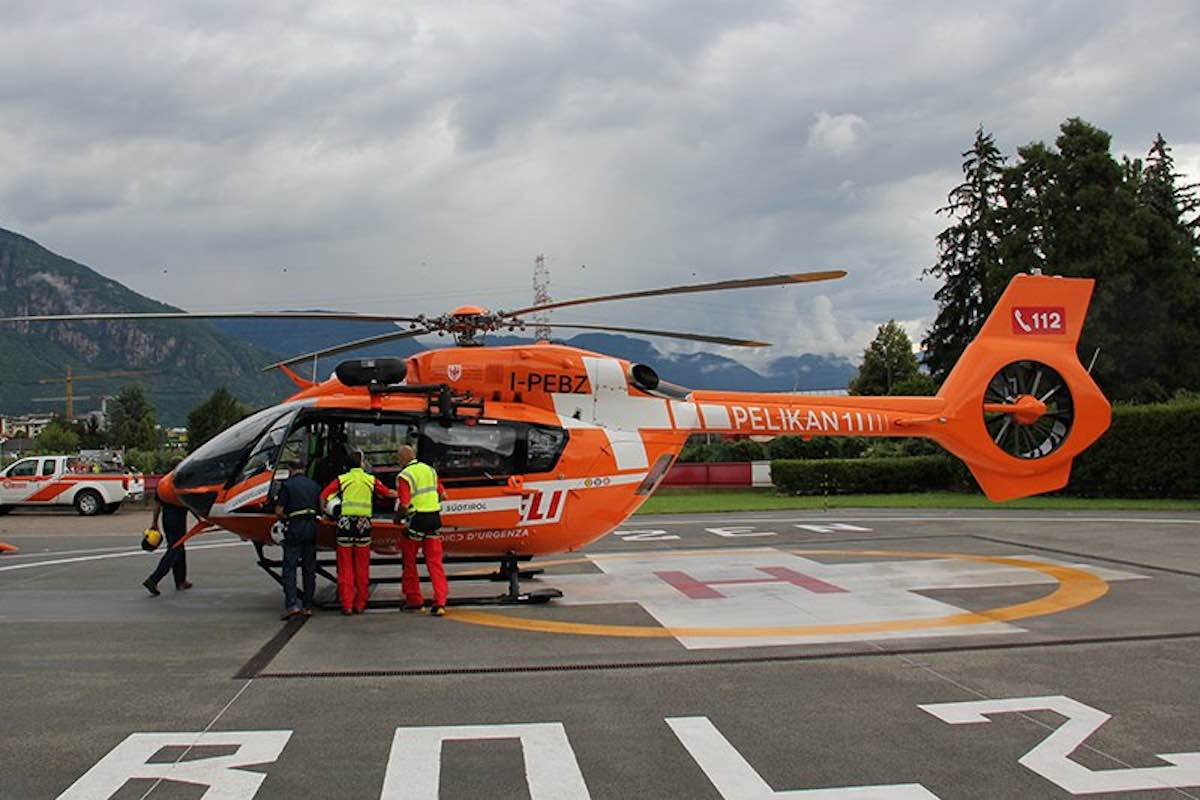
<point>1051,760</point>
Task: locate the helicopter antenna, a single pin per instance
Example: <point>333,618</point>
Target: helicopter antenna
<point>541,297</point>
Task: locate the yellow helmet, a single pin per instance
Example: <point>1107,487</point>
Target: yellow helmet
<point>151,539</point>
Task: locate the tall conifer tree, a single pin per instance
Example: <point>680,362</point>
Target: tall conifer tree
<point>967,253</point>
<point>1074,210</point>
<point>1171,265</point>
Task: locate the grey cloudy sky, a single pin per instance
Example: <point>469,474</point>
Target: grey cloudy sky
<point>408,157</point>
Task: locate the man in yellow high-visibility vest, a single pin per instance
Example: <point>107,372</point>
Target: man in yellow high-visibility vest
<point>357,488</point>
<point>419,504</point>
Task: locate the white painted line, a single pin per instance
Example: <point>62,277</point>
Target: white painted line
<point>830,527</point>
<point>735,779</point>
<point>127,554</point>
<point>54,553</point>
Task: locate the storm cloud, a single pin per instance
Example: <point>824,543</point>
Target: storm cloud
<point>412,157</point>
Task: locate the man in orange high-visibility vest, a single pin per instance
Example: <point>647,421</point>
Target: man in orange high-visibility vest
<point>357,487</point>
<point>419,505</point>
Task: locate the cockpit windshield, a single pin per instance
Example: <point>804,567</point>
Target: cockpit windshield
<point>322,440</point>
<point>220,458</point>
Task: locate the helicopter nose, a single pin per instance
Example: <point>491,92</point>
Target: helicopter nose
<point>166,489</point>
<point>199,502</point>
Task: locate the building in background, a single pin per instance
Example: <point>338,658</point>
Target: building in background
<point>175,437</point>
<point>24,426</point>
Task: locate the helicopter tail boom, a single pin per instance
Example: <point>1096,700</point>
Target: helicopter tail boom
<point>1017,408</point>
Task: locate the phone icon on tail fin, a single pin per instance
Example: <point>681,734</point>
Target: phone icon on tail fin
<point>1035,320</point>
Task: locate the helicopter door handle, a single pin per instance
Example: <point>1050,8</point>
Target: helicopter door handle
<point>516,485</point>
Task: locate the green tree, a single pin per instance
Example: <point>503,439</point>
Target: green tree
<point>1160,191</point>
<point>888,362</point>
<point>91,435</point>
<point>133,420</point>
<point>1171,266</point>
<point>57,437</point>
<point>968,254</point>
<point>212,416</point>
<point>1074,210</point>
<point>919,385</point>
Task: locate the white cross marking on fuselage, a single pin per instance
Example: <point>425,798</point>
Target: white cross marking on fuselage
<point>610,407</point>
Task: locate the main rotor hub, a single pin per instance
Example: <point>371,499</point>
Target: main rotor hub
<point>467,323</point>
<point>470,311</point>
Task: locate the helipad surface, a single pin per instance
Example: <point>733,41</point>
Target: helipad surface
<point>841,655</point>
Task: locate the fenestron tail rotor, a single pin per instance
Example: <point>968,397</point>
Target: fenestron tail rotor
<point>1028,409</point>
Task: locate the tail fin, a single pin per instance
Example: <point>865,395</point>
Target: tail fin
<point>1019,404</point>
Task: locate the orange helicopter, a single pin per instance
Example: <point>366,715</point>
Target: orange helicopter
<point>544,448</point>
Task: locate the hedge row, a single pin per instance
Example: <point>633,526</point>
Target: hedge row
<point>790,447</point>
<point>866,475</point>
<point>1149,451</point>
<point>153,462</point>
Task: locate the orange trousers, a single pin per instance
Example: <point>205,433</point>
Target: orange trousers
<point>432,547</point>
<point>354,575</point>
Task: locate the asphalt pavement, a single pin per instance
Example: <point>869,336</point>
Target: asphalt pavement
<point>848,654</point>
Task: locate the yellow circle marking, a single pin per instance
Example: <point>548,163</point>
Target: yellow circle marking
<point>1075,588</point>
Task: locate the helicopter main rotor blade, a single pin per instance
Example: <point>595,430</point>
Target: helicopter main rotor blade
<point>691,337</point>
<point>744,283</point>
<point>342,348</point>
<point>342,316</point>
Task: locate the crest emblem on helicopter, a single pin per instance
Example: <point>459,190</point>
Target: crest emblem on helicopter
<point>453,372</point>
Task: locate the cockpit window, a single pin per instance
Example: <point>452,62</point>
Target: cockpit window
<point>469,450</point>
<point>218,459</point>
<point>265,455</point>
<point>543,447</point>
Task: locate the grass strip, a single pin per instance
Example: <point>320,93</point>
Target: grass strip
<point>694,501</point>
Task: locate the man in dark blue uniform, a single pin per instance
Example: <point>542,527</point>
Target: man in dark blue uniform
<point>174,560</point>
<point>297,505</point>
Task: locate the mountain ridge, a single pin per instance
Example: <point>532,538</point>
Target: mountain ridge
<point>182,361</point>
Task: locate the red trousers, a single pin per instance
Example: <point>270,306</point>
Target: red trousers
<point>432,547</point>
<point>353,574</point>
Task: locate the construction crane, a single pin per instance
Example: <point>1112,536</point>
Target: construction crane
<point>70,380</point>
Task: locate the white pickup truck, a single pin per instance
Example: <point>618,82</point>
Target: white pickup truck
<point>64,480</point>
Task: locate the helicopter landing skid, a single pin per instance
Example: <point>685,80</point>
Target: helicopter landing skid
<point>509,571</point>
